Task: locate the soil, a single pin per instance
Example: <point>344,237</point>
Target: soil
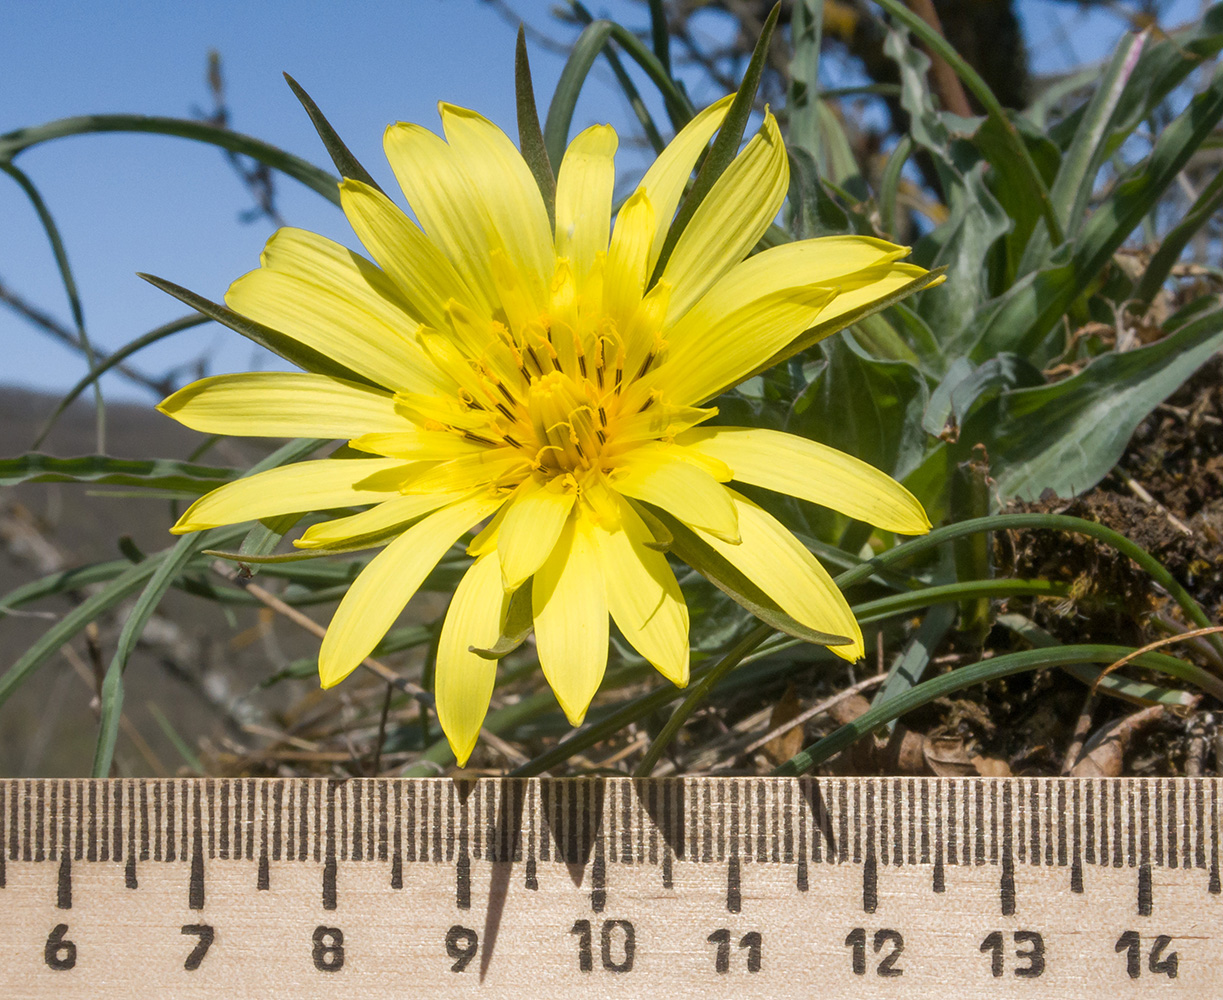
<point>1167,496</point>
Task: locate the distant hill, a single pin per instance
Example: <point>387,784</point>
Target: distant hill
<point>195,666</point>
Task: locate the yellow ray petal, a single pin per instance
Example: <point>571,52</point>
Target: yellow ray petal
<point>643,596</point>
<point>290,489</point>
<point>463,683</point>
<point>442,198</point>
<point>417,446</point>
<point>336,323</point>
<point>533,521</point>
<point>412,260</point>
<point>569,604</point>
<point>661,477</point>
<point>503,183</point>
<point>379,594</point>
<point>345,532</point>
<point>732,343</point>
<point>731,219</point>
<point>804,468</point>
<point>625,275</point>
<point>781,566</point>
<point>282,404</point>
<point>584,196</point>
<point>866,286</point>
<point>841,262</point>
<point>664,181</point>
<point>492,466</point>
<point>335,270</point>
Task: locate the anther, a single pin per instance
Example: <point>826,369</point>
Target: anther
<point>645,365</point>
<point>505,411</point>
<point>476,437</point>
<point>534,360</point>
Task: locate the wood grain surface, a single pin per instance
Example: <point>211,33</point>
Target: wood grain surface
<point>723,887</point>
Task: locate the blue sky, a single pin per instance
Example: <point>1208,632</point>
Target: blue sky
<point>129,203</point>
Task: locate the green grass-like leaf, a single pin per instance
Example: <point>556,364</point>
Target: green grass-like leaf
<point>154,473</point>
<point>315,178</point>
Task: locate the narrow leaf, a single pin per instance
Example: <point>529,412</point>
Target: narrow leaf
<point>326,184</point>
<point>164,573</point>
<point>1026,315</point>
<point>1169,252</point>
<point>347,164</point>
<point>806,34</point>
<point>958,680</point>
<point>155,473</point>
<point>725,145</point>
<point>594,37</point>
<point>1066,436</point>
<point>278,343</point>
<point>530,135</point>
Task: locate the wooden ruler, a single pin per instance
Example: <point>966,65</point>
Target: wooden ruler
<point>696,887</point>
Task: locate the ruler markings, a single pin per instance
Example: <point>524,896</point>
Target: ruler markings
<point>1062,833</point>
<point>939,874</point>
<point>950,852</point>
<point>1050,846</point>
<point>1156,801</point>
<point>4,841</point>
<point>63,891</point>
<point>1006,890</point>
<point>397,842</point>
<point>1076,867</point>
<point>48,851</point>
<point>1156,823</point>
<point>27,820</point>
<point>1199,834</point>
<point>165,800</point>
<point>1175,813</point>
<point>129,870</point>
<point>1139,826</point>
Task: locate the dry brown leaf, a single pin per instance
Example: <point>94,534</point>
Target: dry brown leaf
<point>991,767</point>
<point>781,748</point>
<point>1104,753</point>
<point>946,756</point>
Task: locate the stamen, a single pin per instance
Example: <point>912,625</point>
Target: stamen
<point>645,365</point>
<point>506,411</point>
<point>510,441</point>
<point>602,417</point>
<point>476,437</point>
<point>534,360</point>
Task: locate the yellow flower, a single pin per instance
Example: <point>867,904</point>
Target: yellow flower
<point>530,374</point>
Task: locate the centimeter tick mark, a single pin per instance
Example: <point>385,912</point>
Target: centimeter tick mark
<point>195,886</point>
<point>734,894</point>
<point>63,892</point>
<point>462,882</point>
